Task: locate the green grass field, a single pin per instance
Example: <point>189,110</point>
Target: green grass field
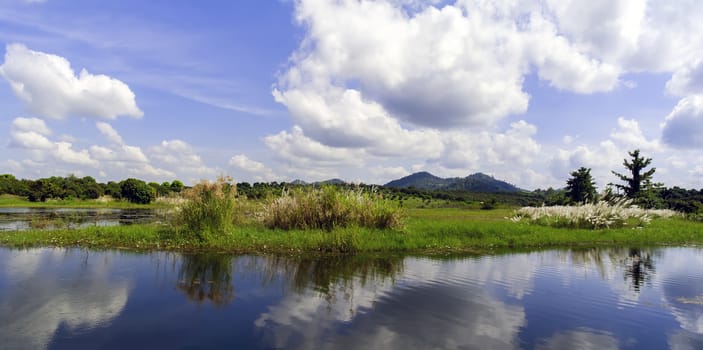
<point>447,230</point>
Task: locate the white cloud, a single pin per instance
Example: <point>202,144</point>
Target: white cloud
<point>342,118</point>
<point>181,158</point>
<point>64,152</point>
<point>297,148</point>
<point>470,151</point>
<point>243,162</point>
<point>31,124</point>
<point>630,135</point>
<point>108,131</point>
<point>683,127</point>
<point>260,171</point>
<point>48,87</point>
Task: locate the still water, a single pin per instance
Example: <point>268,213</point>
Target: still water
<point>48,218</point>
<point>572,299</point>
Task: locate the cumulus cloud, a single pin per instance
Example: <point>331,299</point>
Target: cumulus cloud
<point>629,135</point>
<point>49,87</point>
<point>342,118</point>
<point>181,157</point>
<point>683,127</point>
<point>467,151</point>
<point>257,169</point>
<point>297,148</point>
<point>109,132</point>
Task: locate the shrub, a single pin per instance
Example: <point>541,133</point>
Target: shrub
<point>328,207</point>
<point>592,216</point>
<point>137,191</point>
<point>209,209</point>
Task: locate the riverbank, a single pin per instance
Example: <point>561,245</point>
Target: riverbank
<point>9,201</point>
<point>425,230</point>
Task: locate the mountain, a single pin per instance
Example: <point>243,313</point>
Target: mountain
<point>477,182</point>
<point>422,180</point>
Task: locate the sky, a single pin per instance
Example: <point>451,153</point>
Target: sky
<point>366,91</point>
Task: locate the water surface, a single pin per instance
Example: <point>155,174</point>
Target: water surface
<point>579,299</point>
<point>52,218</point>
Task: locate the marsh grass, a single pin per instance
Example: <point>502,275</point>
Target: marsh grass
<point>591,215</point>
<point>328,208</point>
<point>209,210</point>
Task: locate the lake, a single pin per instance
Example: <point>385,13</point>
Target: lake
<point>625,298</point>
<point>52,218</point>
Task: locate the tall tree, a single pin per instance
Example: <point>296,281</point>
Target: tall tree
<point>581,188</point>
<point>639,181</point>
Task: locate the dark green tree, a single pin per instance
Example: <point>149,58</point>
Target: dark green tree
<point>639,181</point>
<point>581,188</point>
<point>137,191</point>
<point>176,186</point>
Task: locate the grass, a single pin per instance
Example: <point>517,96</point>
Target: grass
<point>10,201</point>
<point>329,208</point>
<point>425,231</point>
<point>591,215</point>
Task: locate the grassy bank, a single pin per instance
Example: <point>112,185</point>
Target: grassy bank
<point>10,201</point>
<point>425,230</point>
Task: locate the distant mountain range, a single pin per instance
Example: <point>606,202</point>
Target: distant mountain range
<point>477,182</point>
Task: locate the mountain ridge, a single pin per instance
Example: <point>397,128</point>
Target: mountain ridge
<point>477,182</point>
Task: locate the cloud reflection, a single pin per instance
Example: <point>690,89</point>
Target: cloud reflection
<point>42,300</point>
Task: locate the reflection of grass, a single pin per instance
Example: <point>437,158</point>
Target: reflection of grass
<point>429,230</point>
<point>697,300</point>
<point>207,276</point>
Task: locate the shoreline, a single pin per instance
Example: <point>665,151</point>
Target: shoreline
<point>421,234</point>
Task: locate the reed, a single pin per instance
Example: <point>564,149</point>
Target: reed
<point>328,208</point>
<point>208,210</point>
<point>591,215</point>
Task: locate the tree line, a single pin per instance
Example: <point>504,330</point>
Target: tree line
<point>73,187</point>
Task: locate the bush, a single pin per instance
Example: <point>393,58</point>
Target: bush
<point>137,191</point>
<point>328,207</point>
<point>209,209</point>
<point>592,216</point>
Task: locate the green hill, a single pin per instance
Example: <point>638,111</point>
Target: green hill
<point>477,182</point>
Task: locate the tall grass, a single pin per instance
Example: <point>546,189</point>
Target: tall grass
<point>328,208</point>
<point>591,216</point>
<point>209,210</point>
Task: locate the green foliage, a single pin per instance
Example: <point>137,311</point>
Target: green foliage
<point>638,186</point>
<point>137,191</point>
<point>209,210</point>
<point>177,186</point>
<point>580,188</point>
<point>328,208</point>
<point>491,203</point>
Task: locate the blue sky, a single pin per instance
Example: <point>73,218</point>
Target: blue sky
<point>360,90</point>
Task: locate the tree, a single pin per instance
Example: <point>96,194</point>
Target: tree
<point>137,191</point>
<point>581,188</point>
<point>639,182</point>
<point>176,186</point>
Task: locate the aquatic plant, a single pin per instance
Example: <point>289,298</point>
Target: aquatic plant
<point>591,215</point>
<point>328,207</point>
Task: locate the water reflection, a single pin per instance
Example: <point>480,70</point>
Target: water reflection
<point>206,277</point>
<point>59,218</point>
<point>76,296</point>
<point>577,299</point>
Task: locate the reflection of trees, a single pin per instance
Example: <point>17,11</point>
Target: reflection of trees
<point>637,264</point>
<point>326,273</point>
<point>207,277</point>
<point>639,267</point>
